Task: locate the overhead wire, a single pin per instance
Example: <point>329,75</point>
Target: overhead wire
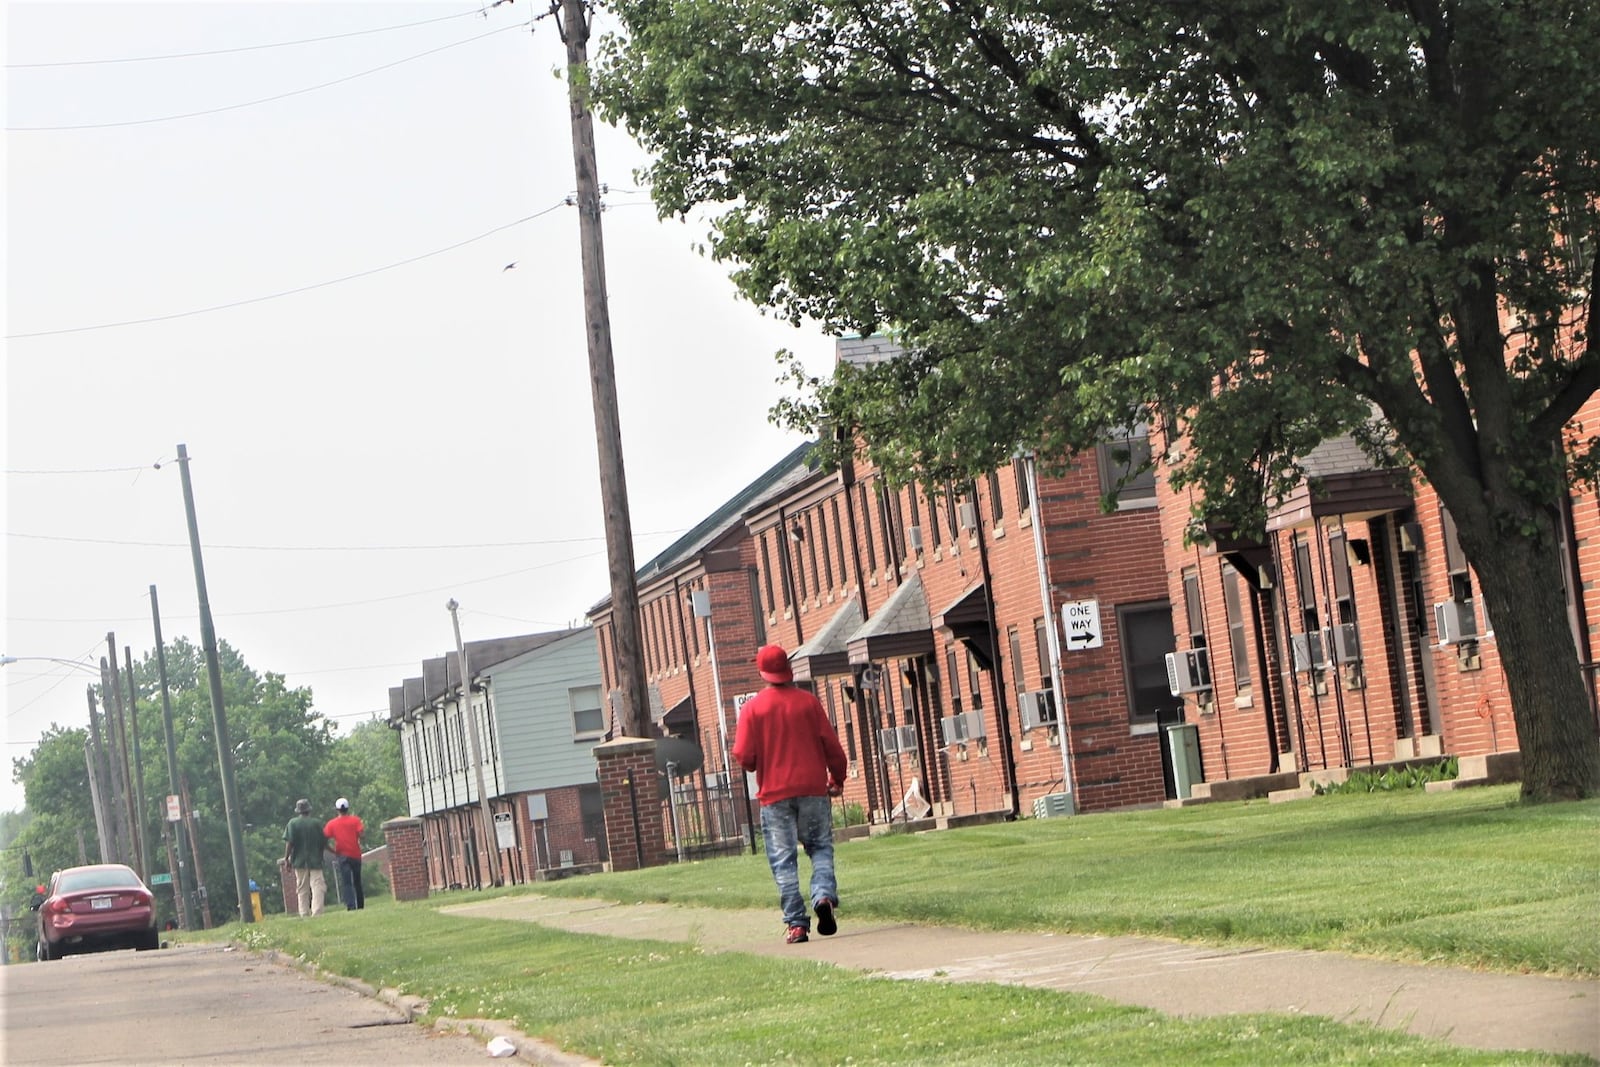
<point>245,48</point>
<point>265,99</point>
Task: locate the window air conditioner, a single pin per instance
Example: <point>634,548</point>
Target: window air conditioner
<point>969,515</point>
<point>889,740</point>
<point>954,728</point>
<point>915,534</point>
<point>1310,651</point>
<point>975,728</point>
<point>1038,709</point>
<point>1188,671</point>
<point>908,738</point>
<point>1455,621</point>
<point>1345,643</point>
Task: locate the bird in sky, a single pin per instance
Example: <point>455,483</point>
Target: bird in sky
<point>508,266</point>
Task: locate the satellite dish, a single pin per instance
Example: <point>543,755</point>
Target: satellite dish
<point>685,756</point>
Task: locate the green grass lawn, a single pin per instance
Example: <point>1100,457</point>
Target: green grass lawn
<point>1469,878</point>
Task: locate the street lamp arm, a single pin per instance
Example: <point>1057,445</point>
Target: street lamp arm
<point>6,661</point>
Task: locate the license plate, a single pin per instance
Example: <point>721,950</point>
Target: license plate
<point>100,903</point>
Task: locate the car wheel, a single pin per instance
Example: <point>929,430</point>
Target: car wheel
<point>43,951</point>
<point>148,940</point>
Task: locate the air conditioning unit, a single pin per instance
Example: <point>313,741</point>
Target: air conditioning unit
<point>1455,621</point>
<point>969,515</point>
<point>1344,641</point>
<point>893,739</point>
<point>1051,805</point>
<point>1038,709</point>
<point>975,727</point>
<point>1188,671</point>
<point>1310,651</point>
<point>954,728</point>
<point>915,535</point>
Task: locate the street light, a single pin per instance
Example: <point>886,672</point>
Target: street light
<point>6,661</point>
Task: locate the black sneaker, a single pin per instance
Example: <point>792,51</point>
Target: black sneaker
<point>827,925</point>
<point>796,935</point>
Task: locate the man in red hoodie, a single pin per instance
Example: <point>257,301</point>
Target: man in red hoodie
<point>785,738</point>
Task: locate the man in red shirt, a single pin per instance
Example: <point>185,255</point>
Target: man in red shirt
<point>785,738</point>
<point>345,830</point>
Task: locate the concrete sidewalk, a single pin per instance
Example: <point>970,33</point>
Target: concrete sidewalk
<point>1468,1008</point>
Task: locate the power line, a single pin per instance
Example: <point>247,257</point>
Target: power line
<point>330,548</point>
<point>265,99</point>
<point>244,48</point>
<point>287,292</point>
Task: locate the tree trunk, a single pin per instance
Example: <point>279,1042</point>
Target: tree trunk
<point>1550,699</point>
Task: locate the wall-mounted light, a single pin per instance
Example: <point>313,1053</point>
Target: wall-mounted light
<point>797,533</point>
<point>1358,552</point>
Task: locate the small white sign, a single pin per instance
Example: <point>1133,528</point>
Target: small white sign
<point>1080,622</point>
<point>505,834</point>
<point>174,809</point>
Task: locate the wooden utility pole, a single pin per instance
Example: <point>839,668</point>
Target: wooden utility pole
<point>91,755</point>
<point>573,25</point>
<point>181,872</point>
<point>138,763</point>
<point>208,643</point>
<point>116,801</point>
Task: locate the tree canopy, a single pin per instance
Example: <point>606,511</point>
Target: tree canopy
<point>1252,225</point>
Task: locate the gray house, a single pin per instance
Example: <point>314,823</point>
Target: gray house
<point>535,701</point>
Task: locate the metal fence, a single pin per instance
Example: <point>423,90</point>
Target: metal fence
<point>709,814</point>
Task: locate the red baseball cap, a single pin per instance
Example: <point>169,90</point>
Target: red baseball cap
<point>773,663</point>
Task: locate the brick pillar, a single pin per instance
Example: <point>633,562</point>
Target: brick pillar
<point>631,792</point>
<point>408,863</point>
<point>291,891</point>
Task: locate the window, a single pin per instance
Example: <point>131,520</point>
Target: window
<point>818,579</point>
<point>838,544</point>
<point>933,523</point>
<point>1041,641</point>
<point>1014,643</point>
<point>916,511</point>
<point>1194,608</point>
<point>1234,608</point>
<point>1146,639</point>
<point>1339,562</point>
<point>997,504</point>
<point>766,577</point>
<point>588,715</point>
<point>1124,466</point>
<point>955,679</point>
<point>756,617</point>
<point>950,511</point>
<point>1455,560</point>
<point>826,573</point>
<point>1305,586</point>
<point>975,683</point>
<point>1019,475</point>
<point>866,528</point>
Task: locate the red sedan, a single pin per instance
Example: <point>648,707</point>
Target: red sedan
<point>104,905</point>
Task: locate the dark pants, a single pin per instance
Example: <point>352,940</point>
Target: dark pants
<point>349,872</point>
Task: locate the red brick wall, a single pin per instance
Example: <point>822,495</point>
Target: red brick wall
<point>635,830</point>
<point>408,868</point>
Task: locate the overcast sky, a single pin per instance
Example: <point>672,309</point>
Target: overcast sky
<point>289,254</point>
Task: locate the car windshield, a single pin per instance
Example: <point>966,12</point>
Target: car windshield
<point>97,878</point>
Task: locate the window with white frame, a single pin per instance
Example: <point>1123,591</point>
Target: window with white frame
<point>1124,459</point>
<point>588,713</point>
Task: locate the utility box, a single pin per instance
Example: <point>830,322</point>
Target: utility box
<point>1183,745</point>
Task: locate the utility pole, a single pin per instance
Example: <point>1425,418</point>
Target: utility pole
<point>573,25</point>
<point>136,852</point>
<point>118,784</point>
<point>138,763</point>
<point>489,836</point>
<point>94,797</point>
<point>179,831</point>
<point>208,642</point>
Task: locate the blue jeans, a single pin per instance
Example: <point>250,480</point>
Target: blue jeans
<point>348,869</point>
<point>787,824</point>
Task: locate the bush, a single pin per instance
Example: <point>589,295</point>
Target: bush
<point>1387,781</point>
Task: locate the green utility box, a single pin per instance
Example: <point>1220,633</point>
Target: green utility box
<point>1183,745</point>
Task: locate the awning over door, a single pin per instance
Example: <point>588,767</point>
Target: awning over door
<point>826,653</point>
<point>967,619</point>
<point>901,628</point>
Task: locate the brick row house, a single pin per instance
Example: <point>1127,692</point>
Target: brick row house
<point>954,634</point>
<point>537,703</point>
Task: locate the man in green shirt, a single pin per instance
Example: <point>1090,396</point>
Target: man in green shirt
<point>303,845</point>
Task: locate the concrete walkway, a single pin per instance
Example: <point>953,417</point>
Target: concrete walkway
<point>1469,1008</point>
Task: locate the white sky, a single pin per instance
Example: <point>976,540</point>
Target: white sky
<point>441,403</point>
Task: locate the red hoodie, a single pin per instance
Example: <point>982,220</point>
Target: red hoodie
<point>785,737</point>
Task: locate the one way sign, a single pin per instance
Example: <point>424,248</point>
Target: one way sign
<point>1080,620</point>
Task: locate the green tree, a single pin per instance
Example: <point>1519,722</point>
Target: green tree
<point>364,766</point>
<point>1251,225</point>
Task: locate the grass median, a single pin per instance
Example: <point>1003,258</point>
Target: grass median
<point>1465,878</point>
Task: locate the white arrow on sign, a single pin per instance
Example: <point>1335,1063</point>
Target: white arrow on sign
<point>1080,621</point>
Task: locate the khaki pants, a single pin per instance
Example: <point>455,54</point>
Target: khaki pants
<point>312,887</point>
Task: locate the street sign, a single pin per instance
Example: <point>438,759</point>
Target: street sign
<point>1080,621</point>
<point>161,879</point>
<point>174,809</point>
<point>505,834</point>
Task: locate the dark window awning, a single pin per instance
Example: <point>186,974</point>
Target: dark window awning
<point>967,619</point>
<point>902,627</point>
<point>826,653</point>
<point>1341,480</point>
<point>680,716</point>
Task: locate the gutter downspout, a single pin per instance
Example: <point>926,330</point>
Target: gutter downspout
<point>1053,637</point>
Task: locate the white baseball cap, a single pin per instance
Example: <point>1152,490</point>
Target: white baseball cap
<point>342,804</point>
